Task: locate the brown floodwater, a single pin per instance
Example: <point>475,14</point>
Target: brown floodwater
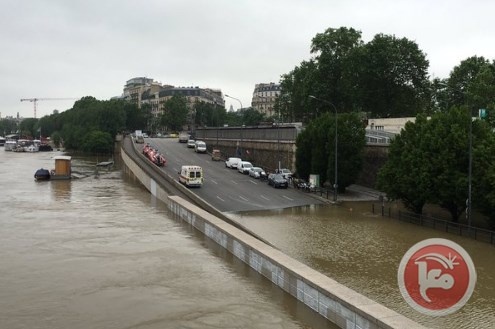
<point>101,252</point>
<point>363,250</point>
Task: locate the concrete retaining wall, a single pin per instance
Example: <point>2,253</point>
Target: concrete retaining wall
<point>337,303</point>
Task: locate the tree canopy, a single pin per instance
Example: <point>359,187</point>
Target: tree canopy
<point>429,162</point>
<point>385,77</point>
<point>315,152</point>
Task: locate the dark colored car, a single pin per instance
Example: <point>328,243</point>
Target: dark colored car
<point>277,180</point>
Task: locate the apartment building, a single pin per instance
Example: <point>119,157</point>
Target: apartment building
<point>264,97</point>
<point>142,90</point>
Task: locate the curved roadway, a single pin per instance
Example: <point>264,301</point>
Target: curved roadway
<point>227,189</point>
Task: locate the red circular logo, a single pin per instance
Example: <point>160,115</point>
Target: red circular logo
<point>436,277</point>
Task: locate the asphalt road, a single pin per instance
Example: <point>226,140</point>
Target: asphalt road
<point>227,189</point>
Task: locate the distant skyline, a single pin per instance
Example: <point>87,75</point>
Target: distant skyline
<point>72,49</point>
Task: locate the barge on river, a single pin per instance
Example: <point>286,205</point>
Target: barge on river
<point>62,170</point>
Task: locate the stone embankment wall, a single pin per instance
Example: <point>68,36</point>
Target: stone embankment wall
<point>337,303</point>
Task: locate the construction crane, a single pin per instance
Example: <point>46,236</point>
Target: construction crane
<point>35,101</point>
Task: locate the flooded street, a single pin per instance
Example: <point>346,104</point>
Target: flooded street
<point>101,252</point>
<point>363,251</point>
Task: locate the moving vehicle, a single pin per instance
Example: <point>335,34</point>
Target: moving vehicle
<point>257,172</point>
<point>232,163</point>
<point>244,166</point>
<point>277,180</point>
<point>139,138</point>
<point>191,143</point>
<point>183,137</point>
<point>200,147</point>
<point>191,175</point>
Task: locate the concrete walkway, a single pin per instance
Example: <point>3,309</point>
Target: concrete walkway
<point>353,193</point>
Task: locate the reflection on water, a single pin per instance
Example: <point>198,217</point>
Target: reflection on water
<point>60,189</point>
<point>363,251</point>
<point>100,252</point>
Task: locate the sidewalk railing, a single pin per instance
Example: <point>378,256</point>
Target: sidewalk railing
<point>473,232</point>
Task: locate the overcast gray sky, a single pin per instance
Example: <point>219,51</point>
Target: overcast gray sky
<point>75,48</point>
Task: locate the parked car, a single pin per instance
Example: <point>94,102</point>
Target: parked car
<point>200,147</point>
<point>191,143</point>
<point>232,162</point>
<point>284,172</point>
<point>244,166</point>
<point>216,155</point>
<point>257,173</point>
<point>277,180</point>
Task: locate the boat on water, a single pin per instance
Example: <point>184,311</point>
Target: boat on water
<point>62,170</point>
<point>42,174</point>
<point>10,145</point>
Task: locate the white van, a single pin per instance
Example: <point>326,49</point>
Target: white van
<point>244,167</point>
<point>191,175</point>
<point>200,147</point>
<point>232,163</point>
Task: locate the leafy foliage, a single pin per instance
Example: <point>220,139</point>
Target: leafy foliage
<point>429,162</point>
<point>385,77</point>
<point>315,152</point>
<point>97,142</point>
<point>176,112</point>
<point>209,115</point>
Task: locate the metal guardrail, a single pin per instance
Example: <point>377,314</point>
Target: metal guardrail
<point>472,232</point>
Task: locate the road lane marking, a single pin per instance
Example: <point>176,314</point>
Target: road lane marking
<point>214,182</point>
<point>287,198</point>
<point>253,182</point>
<point>264,197</point>
<point>233,182</point>
<point>243,198</point>
<point>220,198</point>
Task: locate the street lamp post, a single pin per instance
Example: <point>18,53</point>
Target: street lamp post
<point>335,185</point>
<point>243,124</point>
<point>470,169</point>
<point>235,99</point>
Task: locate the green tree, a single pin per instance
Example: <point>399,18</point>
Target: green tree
<point>251,117</point>
<point>56,138</point>
<point>175,116</point>
<point>97,142</point>
<point>405,175</point>
<point>385,77</point>
<point>394,81</point>
<point>28,127</point>
<point>429,162</point>
<point>337,59</point>
<point>208,115</point>
<point>315,152</point>
<point>350,145</point>
<point>7,126</point>
<point>461,78</point>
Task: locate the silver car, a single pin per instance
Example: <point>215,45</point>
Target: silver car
<point>257,172</point>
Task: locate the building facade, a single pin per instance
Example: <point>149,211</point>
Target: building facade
<point>264,97</point>
<point>142,90</point>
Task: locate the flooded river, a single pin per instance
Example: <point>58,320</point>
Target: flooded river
<point>101,252</point>
<point>363,251</point>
